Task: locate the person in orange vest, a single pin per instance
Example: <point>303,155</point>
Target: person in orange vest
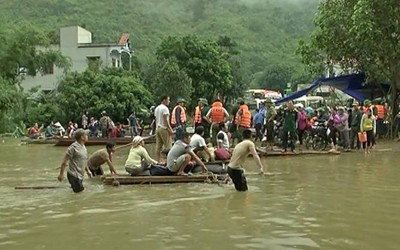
<point>243,119</point>
<point>197,119</point>
<point>215,115</point>
<point>380,115</point>
<point>178,118</point>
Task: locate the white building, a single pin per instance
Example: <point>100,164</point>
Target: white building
<point>76,43</point>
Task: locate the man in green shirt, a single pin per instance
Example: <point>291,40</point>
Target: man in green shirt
<point>289,127</point>
<point>269,122</point>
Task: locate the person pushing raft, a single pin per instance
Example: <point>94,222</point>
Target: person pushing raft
<point>239,156</point>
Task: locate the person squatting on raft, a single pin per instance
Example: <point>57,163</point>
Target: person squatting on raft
<point>239,156</point>
<point>199,144</point>
<point>76,157</point>
<point>180,155</point>
<point>139,159</point>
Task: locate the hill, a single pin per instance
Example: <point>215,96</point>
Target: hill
<point>266,31</point>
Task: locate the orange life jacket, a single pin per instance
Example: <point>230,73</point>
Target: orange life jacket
<point>197,115</point>
<point>217,113</point>
<point>182,118</point>
<point>311,121</point>
<point>245,117</point>
<point>381,111</point>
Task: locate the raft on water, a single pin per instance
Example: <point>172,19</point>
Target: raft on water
<point>263,152</point>
<point>130,180</point>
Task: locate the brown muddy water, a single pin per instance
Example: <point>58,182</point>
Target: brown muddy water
<point>350,201</point>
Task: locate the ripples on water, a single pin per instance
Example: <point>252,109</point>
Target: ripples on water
<point>322,202</point>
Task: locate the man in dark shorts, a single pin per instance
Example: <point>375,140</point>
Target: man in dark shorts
<point>76,157</point>
<point>100,157</point>
<point>239,156</point>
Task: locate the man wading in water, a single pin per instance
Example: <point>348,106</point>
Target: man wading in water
<point>76,155</point>
<point>239,156</point>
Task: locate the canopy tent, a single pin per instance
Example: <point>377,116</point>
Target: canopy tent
<point>353,85</point>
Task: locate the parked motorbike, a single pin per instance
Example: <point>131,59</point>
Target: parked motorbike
<point>318,137</point>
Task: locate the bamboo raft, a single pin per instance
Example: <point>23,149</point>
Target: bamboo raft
<point>130,180</point>
<point>262,152</point>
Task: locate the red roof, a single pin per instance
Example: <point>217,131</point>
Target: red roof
<point>124,39</point>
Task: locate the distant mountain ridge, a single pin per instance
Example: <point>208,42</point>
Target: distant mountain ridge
<point>266,31</point>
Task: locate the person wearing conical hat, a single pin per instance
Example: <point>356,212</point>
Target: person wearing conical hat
<point>139,159</point>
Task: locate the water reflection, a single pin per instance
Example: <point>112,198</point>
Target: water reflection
<point>336,202</point>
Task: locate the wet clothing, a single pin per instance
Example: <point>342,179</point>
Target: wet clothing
<point>76,183</point>
<point>77,156</point>
<point>97,171</point>
<point>238,179</point>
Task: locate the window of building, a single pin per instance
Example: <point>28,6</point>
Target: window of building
<point>115,63</point>
<point>94,62</point>
<point>48,69</point>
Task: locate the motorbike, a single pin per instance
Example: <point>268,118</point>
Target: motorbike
<point>317,138</point>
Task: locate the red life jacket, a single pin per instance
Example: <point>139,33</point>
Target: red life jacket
<point>197,115</point>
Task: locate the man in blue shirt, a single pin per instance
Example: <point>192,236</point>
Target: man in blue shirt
<point>258,122</point>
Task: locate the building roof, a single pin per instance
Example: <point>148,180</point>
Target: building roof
<point>124,39</point>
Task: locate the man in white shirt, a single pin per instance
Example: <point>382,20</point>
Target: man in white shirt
<point>163,127</point>
<point>199,144</point>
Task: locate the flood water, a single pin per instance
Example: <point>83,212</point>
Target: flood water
<point>350,201</point>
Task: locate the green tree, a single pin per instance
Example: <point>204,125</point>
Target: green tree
<point>202,61</point>
<point>116,91</point>
<point>172,81</point>
<point>23,47</point>
<point>358,35</point>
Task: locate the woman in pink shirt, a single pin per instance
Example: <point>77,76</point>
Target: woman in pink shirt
<point>301,124</point>
<point>333,122</point>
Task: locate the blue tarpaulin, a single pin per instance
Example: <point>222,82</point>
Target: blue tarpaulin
<point>353,85</point>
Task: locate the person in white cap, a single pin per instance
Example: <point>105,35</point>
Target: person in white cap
<point>139,159</point>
